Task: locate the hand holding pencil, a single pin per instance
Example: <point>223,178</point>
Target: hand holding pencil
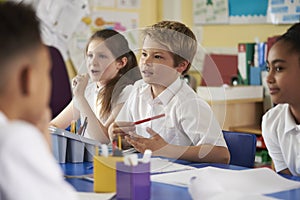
<point>121,128</point>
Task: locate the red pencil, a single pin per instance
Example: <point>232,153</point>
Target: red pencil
<point>149,119</point>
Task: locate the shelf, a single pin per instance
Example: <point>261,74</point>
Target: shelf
<point>254,129</point>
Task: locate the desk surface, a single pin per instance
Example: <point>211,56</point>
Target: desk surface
<point>160,190</point>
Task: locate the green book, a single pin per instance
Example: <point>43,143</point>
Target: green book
<point>245,61</point>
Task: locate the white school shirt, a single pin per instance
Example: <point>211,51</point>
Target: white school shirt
<point>91,94</point>
<point>27,168</point>
<point>282,138</point>
<point>189,120</point>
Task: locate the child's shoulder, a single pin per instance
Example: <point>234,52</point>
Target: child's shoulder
<point>276,111</point>
<point>14,132</point>
<point>140,85</point>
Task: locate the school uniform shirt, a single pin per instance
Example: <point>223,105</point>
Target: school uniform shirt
<point>27,168</point>
<point>189,120</point>
<point>282,138</point>
<point>91,95</point>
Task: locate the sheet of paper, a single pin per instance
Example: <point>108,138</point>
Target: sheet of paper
<point>159,165</point>
<point>94,196</point>
<point>235,196</point>
<point>179,178</point>
<point>210,181</point>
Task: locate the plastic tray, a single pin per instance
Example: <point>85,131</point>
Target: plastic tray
<point>69,147</point>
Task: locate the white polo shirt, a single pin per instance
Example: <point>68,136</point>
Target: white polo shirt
<point>189,120</point>
<point>282,137</point>
<point>28,169</point>
<point>91,96</point>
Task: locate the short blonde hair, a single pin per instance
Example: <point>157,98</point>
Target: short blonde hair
<point>177,37</point>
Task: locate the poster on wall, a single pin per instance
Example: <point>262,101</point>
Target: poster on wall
<point>229,11</point>
<point>59,20</point>
<point>103,3</point>
<point>283,11</point>
<point>124,22</point>
<point>247,11</point>
<point>129,4</point>
<point>210,11</point>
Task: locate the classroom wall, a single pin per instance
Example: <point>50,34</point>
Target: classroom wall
<point>229,35</point>
<point>220,38</point>
<point>149,11</point>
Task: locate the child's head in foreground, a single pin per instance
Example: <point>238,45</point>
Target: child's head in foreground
<point>24,64</point>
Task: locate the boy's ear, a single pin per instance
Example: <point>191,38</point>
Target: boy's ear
<point>25,80</point>
<point>182,66</point>
<point>121,63</point>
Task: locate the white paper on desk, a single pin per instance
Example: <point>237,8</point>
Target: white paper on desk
<point>159,165</point>
<point>211,181</point>
<point>180,178</point>
<point>235,196</point>
<point>94,196</point>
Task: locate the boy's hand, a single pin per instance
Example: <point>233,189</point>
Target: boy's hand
<point>120,128</point>
<point>156,143</point>
<point>79,84</point>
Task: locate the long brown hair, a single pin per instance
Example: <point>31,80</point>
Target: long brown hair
<point>118,46</point>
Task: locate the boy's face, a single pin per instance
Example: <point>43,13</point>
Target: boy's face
<point>157,64</point>
<point>283,77</point>
<point>40,83</point>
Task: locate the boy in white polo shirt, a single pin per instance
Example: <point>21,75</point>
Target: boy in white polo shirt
<point>28,169</point>
<point>281,124</point>
<point>189,130</point>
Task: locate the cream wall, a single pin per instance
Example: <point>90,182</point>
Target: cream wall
<point>217,38</point>
<point>229,35</point>
<point>148,12</point>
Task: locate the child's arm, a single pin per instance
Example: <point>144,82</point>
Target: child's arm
<point>123,129</point>
<point>64,119</point>
<point>95,128</point>
<point>159,147</point>
<point>285,171</point>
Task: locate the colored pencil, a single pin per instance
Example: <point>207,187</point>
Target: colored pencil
<point>149,119</point>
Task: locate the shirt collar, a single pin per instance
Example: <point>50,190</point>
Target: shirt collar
<point>170,91</point>
<point>290,123</point>
<point>165,96</point>
<point>3,118</point>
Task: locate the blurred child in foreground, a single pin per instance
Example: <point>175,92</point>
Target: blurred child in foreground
<point>28,169</point>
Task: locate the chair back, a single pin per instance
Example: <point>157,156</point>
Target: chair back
<point>61,93</point>
<point>242,148</point>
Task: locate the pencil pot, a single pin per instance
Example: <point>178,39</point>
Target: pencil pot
<point>59,147</point>
<point>75,150</point>
<point>105,173</point>
<point>89,150</point>
<point>133,182</point>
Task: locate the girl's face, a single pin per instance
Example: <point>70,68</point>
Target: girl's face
<point>101,64</point>
<point>284,72</point>
<point>157,64</point>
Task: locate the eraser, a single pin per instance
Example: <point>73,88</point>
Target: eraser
<point>147,156</point>
<point>104,150</point>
